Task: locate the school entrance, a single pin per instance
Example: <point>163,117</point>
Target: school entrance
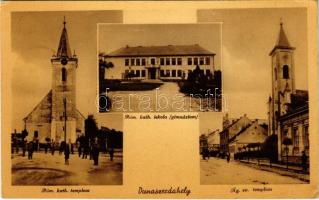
<point>153,73</point>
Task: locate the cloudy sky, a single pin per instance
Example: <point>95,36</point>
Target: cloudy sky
<point>112,37</point>
<point>35,38</point>
<point>248,37</point>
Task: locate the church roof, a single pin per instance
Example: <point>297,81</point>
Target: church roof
<point>282,41</point>
<point>64,49</point>
<point>168,50</point>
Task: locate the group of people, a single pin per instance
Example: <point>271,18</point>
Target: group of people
<point>91,148</point>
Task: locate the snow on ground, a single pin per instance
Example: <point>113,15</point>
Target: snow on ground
<point>46,169</point>
<point>218,171</point>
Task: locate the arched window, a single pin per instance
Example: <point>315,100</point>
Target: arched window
<point>63,74</point>
<point>285,72</point>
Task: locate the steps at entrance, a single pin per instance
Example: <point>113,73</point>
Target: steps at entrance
<point>151,81</point>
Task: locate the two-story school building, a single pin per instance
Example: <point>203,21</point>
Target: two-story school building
<point>171,62</point>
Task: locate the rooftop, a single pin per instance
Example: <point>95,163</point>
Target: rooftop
<point>168,50</point>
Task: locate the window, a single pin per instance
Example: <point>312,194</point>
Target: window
<point>306,136</point>
<point>168,74</point>
<point>168,61</point>
<point>63,74</point>
<point>143,61</point>
<point>132,61</point>
<point>173,73</point>
<point>153,61</point>
<point>179,73</point>
<point>195,61</point>
<point>201,61</point>
<point>285,71</point>
<point>295,137</point>
<point>173,61</point>
<point>189,61</point>
<point>179,61</point>
<point>207,61</point>
<point>162,61</point>
<point>189,72</point>
<point>143,73</point>
<point>138,62</point>
<point>207,72</point>
<point>137,73</point>
<point>162,73</point>
<point>127,62</point>
<point>275,73</point>
<point>132,72</point>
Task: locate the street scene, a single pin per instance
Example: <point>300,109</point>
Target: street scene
<point>48,169</point>
<point>262,140</point>
<point>219,171</point>
<point>54,143</point>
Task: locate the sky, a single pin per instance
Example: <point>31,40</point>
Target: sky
<point>35,38</point>
<point>210,121</point>
<point>206,35</point>
<point>248,36</point>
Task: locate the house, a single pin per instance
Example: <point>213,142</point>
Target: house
<point>170,62</point>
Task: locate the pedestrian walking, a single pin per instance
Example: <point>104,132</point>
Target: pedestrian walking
<point>24,147</point>
<point>80,150</point>
<point>228,157</point>
<point>304,160</point>
<point>95,153</point>
<point>72,149</point>
<point>62,147</point>
<point>30,150</point>
<point>52,147</point>
<point>66,154</point>
<point>111,152</point>
<point>46,148</point>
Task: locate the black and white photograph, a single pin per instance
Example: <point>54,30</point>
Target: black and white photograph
<point>58,138</point>
<point>263,137</point>
<point>160,67</point>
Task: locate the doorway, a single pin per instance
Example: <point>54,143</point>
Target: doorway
<point>152,73</point>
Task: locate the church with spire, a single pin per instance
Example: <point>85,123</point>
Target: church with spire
<point>56,116</point>
<point>288,114</point>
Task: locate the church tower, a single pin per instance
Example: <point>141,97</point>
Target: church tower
<point>283,85</point>
<point>64,113</point>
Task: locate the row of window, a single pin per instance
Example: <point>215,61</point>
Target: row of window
<point>167,61</point>
<point>163,73</point>
<point>295,136</point>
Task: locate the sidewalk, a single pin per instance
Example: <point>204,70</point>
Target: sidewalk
<point>293,171</point>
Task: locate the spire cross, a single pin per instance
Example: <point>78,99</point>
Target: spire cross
<point>64,22</point>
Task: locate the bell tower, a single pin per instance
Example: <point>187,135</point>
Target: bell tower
<point>64,64</point>
<point>283,84</point>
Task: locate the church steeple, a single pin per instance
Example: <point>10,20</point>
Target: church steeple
<point>282,41</point>
<point>64,49</point>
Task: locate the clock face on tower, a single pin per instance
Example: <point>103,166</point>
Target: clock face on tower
<point>64,61</point>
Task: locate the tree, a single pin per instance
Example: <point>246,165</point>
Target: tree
<point>91,128</point>
<point>103,64</point>
<point>287,141</point>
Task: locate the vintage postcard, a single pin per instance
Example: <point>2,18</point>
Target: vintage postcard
<point>163,99</point>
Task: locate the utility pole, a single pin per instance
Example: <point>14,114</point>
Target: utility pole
<point>64,102</point>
